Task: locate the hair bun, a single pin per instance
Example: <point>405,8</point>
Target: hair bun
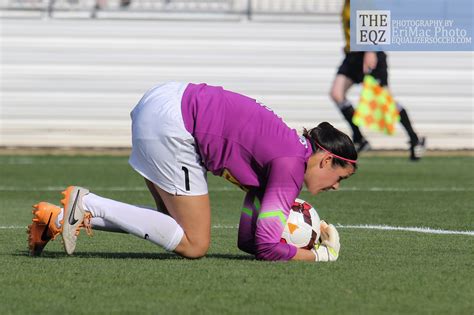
<point>325,125</point>
<point>333,140</point>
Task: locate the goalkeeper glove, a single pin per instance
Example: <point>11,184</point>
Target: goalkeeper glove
<point>329,248</point>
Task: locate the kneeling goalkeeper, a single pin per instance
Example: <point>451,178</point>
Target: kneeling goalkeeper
<point>182,131</point>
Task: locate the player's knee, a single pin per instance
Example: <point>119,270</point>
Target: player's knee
<point>336,95</point>
<point>196,252</point>
<point>196,249</point>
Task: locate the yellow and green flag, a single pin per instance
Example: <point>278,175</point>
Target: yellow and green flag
<point>376,109</point>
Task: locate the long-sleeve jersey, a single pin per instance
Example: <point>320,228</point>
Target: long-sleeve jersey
<point>248,144</point>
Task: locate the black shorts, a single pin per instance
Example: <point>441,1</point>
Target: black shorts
<point>352,67</point>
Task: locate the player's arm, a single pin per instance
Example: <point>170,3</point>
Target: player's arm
<point>248,216</point>
<point>284,180</point>
<point>304,254</point>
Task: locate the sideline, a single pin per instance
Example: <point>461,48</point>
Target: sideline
<point>125,151</point>
<point>232,188</point>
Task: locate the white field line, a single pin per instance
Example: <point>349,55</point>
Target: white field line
<point>404,228</point>
<point>229,188</point>
<point>339,226</point>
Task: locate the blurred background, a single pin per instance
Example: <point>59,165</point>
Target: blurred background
<point>71,70</point>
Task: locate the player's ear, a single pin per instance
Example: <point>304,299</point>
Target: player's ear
<point>326,160</point>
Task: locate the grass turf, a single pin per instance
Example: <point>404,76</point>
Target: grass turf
<point>378,272</point>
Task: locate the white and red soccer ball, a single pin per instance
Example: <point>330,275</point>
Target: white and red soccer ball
<point>303,227</point>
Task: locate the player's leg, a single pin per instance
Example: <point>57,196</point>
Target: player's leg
<point>47,224</point>
<point>160,205</point>
<point>338,93</point>
<point>193,214</point>
<point>104,225</point>
<point>101,224</point>
<point>350,72</point>
<point>142,222</point>
<point>179,187</point>
<point>417,146</point>
<point>166,154</point>
<point>339,89</point>
<point>405,121</point>
<point>186,231</point>
<point>189,214</point>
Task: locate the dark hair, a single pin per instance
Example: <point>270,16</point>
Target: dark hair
<point>333,140</point>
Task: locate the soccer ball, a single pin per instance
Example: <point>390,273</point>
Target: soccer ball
<point>303,225</point>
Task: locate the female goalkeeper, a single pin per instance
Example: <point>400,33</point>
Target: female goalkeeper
<point>182,131</point>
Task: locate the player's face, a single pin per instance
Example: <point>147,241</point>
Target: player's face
<point>321,175</point>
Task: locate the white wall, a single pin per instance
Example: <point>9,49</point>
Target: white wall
<point>72,82</point>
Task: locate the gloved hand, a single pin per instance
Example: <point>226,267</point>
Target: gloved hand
<point>329,248</point>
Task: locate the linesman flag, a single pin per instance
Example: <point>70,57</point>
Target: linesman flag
<point>376,109</point>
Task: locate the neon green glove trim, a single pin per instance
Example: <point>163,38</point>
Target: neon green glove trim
<point>332,251</point>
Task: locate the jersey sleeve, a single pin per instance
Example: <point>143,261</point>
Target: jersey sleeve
<point>248,219</point>
<point>284,182</point>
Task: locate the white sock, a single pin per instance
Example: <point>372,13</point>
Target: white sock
<point>96,223</point>
<point>104,225</point>
<point>149,224</point>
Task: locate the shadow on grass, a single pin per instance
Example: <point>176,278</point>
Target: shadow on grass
<point>130,255</point>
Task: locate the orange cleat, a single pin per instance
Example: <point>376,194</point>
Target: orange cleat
<point>43,228</point>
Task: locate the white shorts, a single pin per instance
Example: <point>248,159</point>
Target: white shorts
<point>163,151</point>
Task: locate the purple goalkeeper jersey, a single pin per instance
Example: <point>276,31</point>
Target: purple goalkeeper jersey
<point>248,144</point>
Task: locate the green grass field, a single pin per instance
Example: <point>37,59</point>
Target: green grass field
<point>378,272</point>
